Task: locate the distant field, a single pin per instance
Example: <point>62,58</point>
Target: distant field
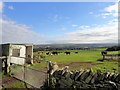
<point>114,52</point>
<point>83,55</point>
<point>84,59</point>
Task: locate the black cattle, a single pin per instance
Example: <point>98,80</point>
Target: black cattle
<point>67,53</point>
<point>55,53</point>
<point>47,53</point>
<point>76,52</point>
<point>104,52</point>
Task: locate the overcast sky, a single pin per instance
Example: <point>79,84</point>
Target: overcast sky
<point>50,22</point>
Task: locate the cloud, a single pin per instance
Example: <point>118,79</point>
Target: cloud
<point>110,11</point>
<point>11,7</point>
<point>98,34</point>
<point>90,12</point>
<point>74,25</point>
<point>55,18</point>
<point>112,8</point>
<point>1,6</point>
<point>13,32</point>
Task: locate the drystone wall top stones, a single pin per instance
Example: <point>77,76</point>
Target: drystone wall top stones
<point>85,79</point>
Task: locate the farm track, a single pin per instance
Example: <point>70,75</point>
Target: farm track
<point>73,64</point>
<point>7,80</point>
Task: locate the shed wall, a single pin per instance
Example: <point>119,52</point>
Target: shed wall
<point>18,60</point>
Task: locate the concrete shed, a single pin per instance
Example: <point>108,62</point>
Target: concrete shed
<point>20,54</point>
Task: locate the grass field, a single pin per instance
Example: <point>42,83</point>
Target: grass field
<point>85,59</point>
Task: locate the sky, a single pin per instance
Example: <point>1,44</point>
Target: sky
<point>59,22</point>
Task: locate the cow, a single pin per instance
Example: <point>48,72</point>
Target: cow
<point>47,53</point>
<point>76,52</point>
<point>104,52</point>
<point>55,53</point>
<point>67,53</point>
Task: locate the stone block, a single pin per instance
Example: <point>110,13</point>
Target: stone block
<point>72,76</point>
<point>67,74</point>
<point>84,75</point>
<point>89,78</point>
<point>65,82</point>
<point>110,76</point>
<point>117,79</point>
<point>77,75</point>
<point>107,75</point>
<point>93,80</point>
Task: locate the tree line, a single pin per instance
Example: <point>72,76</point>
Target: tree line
<point>114,48</point>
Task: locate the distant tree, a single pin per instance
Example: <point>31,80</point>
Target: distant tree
<point>114,48</point>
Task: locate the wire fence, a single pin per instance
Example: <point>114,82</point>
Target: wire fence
<point>1,58</point>
<point>29,75</point>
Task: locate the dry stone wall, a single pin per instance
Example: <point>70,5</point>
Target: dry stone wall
<point>85,80</point>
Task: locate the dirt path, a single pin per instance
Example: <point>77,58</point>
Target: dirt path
<point>78,64</point>
<point>7,80</point>
<point>89,64</point>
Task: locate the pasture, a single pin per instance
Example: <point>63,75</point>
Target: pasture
<point>84,59</point>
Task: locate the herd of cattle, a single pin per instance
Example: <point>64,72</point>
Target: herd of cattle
<point>56,53</point>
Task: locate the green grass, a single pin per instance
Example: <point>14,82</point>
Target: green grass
<point>15,84</point>
<point>39,66</point>
<point>106,66</point>
<point>1,74</point>
<point>83,56</point>
<point>100,49</point>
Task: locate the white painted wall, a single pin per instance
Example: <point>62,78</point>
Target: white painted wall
<point>18,60</point>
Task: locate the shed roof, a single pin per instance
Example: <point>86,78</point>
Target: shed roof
<point>18,44</point>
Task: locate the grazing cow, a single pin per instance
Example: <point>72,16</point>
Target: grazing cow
<point>55,53</point>
<point>104,52</point>
<point>47,53</point>
<point>76,52</point>
<point>67,53</point>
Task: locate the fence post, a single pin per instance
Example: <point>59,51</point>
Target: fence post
<point>6,66</point>
<point>119,63</point>
<point>48,73</point>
